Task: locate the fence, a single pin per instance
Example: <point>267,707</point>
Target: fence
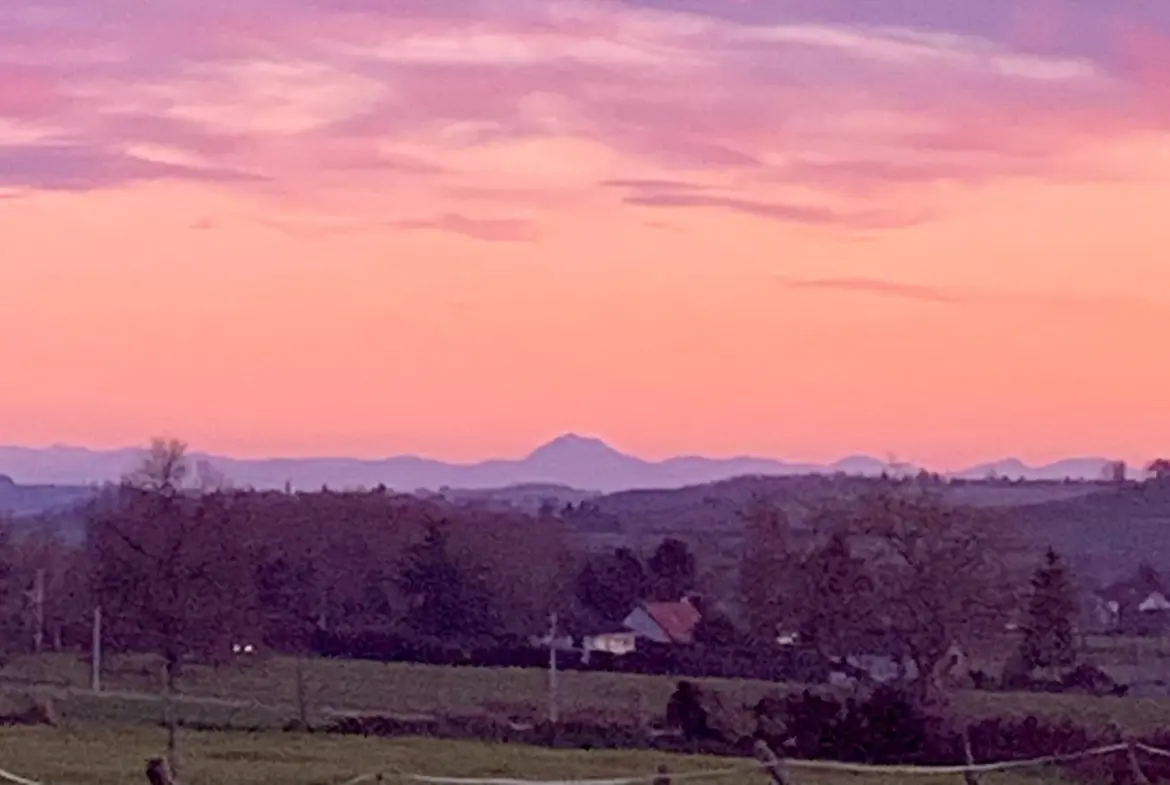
<point>780,771</point>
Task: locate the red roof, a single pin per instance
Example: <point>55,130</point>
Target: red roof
<point>677,619</point>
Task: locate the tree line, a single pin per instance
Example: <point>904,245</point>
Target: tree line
<point>185,567</point>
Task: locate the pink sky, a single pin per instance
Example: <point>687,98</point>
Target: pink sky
<point>460,228</point>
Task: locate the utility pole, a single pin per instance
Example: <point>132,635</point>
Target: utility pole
<point>552,669</point>
<point>96,666</point>
<point>39,611</point>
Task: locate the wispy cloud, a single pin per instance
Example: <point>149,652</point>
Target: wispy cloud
<point>876,286</point>
<point>773,211</point>
<point>491,230</point>
<point>651,184</point>
<point>75,167</point>
<point>679,194</point>
<point>357,98</point>
<point>1067,302</point>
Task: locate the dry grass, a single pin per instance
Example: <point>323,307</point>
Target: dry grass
<point>116,755</point>
<point>105,740</point>
<point>386,687</point>
<point>263,693</point>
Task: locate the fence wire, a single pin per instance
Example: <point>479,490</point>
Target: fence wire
<point>789,764</point>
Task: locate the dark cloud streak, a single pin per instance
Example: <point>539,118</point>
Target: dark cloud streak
<point>78,167</point>
<point>876,286</point>
<point>786,213</point>
<point>495,230</point>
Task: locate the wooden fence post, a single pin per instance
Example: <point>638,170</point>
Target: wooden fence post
<point>663,777</point>
<point>302,704</point>
<point>158,773</point>
<point>170,717</point>
<point>969,777</point>
<point>773,763</point>
<point>1135,769</point>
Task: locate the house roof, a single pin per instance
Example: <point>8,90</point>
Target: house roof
<point>677,619</point>
<point>1127,592</point>
<point>1155,602</point>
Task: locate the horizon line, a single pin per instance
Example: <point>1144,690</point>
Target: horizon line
<point>893,462</point>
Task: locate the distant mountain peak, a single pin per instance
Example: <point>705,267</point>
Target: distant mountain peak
<point>571,459</point>
<point>575,446</point>
<point>860,464</point>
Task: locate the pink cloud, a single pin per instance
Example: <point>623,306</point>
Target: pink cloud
<point>876,286</point>
<point>354,96</point>
<point>70,167</point>
<point>28,93</point>
<point>773,211</point>
<point>491,230</point>
<point>1144,53</point>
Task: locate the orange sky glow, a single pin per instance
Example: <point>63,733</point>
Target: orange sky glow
<point>459,234</point>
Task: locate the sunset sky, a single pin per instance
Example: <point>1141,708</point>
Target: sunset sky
<point>794,228</point>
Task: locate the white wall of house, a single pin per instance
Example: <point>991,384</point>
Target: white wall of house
<point>643,625</point>
<point>613,643</point>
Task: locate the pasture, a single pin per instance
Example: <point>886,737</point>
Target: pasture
<point>94,754</point>
<point>263,692</point>
<point>105,739</point>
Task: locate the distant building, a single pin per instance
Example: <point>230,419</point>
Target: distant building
<point>1135,608</point>
<point>616,642</point>
<point>1155,602</point>
<point>1098,615</point>
<point>664,622</point>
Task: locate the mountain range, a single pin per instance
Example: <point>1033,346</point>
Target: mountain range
<point>570,460</point>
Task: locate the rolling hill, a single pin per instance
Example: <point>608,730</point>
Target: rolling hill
<point>23,500</point>
<point>1105,531</point>
<point>574,461</point>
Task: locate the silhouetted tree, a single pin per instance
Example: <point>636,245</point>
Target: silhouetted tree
<point>765,571</point>
<point>12,599</point>
<point>1159,470</point>
<point>613,584</point>
<point>1049,636</point>
<point>65,601</point>
<point>1115,472</point>
<point>685,712</point>
<point>526,566</point>
<point>672,570</point>
<point>717,630</point>
<point>446,601</point>
<point>289,597</point>
<point>835,597</point>
<point>1148,578</point>
<point>169,566</point>
<point>937,578</point>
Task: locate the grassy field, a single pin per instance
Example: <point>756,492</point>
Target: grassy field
<point>106,739</point>
<point>263,693</point>
<point>116,755</point>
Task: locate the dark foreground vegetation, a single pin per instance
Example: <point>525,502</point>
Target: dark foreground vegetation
<point>882,729</point>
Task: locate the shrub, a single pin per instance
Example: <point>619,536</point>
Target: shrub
<point>1089,678</point>
<point>790,664</point>
<point>27,710</point>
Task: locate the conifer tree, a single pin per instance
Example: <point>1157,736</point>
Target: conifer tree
<point>448,600</point>
<point>1049,632</point>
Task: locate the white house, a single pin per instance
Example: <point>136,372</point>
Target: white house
<point>623,642</point>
